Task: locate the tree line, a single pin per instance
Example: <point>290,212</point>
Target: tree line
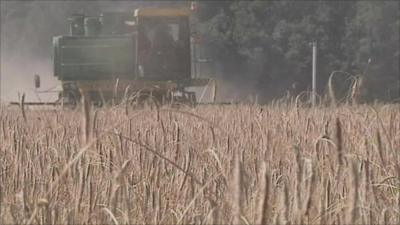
<point>267,43</point>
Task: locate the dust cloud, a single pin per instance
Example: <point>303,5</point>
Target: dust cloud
<point>17,78</point>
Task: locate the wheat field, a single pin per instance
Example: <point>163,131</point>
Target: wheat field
<point>234,164</point>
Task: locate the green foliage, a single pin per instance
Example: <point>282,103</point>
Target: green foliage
<point>277,35</point>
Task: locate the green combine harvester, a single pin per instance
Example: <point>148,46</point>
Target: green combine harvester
<point>145,53</point>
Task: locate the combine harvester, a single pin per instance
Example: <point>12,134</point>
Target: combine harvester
<point>145,53</point>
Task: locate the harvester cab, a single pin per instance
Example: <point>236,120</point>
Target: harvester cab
<point>146,53</point>
<point>163,44</point>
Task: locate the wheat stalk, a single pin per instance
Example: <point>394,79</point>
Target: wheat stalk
<point>263,214</point>
<point>237,191</point>
<point>22,106</point>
